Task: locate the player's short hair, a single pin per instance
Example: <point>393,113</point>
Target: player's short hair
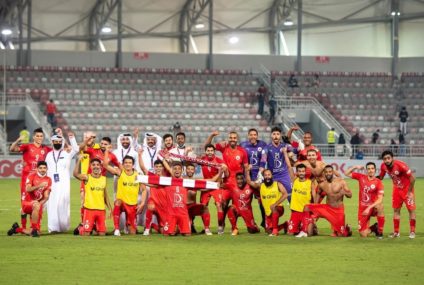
<point>158,161</point>
<point>252,130</point>
<point>209,146</point>
<point>329,166</point>
<point>107,139</point>
<point>308,132</point>
<point>276,129</point>
<point>187,164</point>
<point>371,163</point>
<point>311,150</point>
<point>165,136</point>
<point>177,163</point>
<point>180,134</point>
<point>299,166</point>
<point>240,174</point>
<point>38,130</point>
<point>95,160</point>
<point>267,170</point>
<point>387,152</point>
<point>128,157</point>
<point>42,162</point>
<point>233,132</point>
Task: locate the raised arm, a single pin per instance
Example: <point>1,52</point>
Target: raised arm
<point>140,161</point>
<point>210,138</point>
<point>288,163</point>
<point>349,171</point>
<point>76,173</point>
<point>85,143</point>
<point>290,132</point>
<point>110,168</point>
<point>249,181</point>
<point>14,147</point>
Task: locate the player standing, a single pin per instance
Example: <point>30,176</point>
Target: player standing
<point>236,159</point>
<point>254,147</point>
<point>371,193</point>
<point>32,153</point>
<point>127,191</point>
<point>95,199</point>
<point>403,190</point>
<point>273,159</point>
<point>38,187</point>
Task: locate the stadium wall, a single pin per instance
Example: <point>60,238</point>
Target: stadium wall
<point>221,61</point>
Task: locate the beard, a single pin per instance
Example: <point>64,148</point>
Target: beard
<point>268,182</point>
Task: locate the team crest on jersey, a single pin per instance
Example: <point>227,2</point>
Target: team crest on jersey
<point>372,186</point>
<point>396,172</point>
<point>247,191</point>
<point>259,149</point>
<point>238,157</point>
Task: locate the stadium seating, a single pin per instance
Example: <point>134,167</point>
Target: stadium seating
<point>112,101</point>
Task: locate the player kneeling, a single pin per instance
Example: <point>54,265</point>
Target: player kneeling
<point>127,193</point>
<point>273,195</point>
<point>242,206</point>
<point>38,187</point>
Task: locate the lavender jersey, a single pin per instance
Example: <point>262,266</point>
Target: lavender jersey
<point>254,153</point>
<point>273,159</point>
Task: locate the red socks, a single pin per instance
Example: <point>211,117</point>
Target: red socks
<point>380,223</point>
<point>82,215</point>
<point>275,216</point>
<point>396,223</point>
<point>233,218</point>
<point>206,218</point>
<point>149,216</point>
<point>412,225</point>
<point>24,221</point>
<point>116,215</point>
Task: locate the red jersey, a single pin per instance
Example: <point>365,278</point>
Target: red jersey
<point>208,171</point>
<point>399,172</point>
<point>31,156</point>
<point>35,179</point>
<point>177,200</point>
<point>242,198</point>
<point>303,154</point>
<point>51,108</point>
<point>368,189</point>
<point>235,159</point>
<point>99,154</point>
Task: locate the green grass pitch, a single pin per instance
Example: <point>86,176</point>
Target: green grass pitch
<point>199,259</point>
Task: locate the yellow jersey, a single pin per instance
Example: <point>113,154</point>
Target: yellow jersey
<point>269,195</point>
<point>85,160</point>
<point>95,188</point>
<point>128,188</point>
<point>301,194</point>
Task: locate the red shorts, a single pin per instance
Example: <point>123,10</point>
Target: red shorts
<point>401,196</point>
<point>268,219</point>
<point>24,193</point>
<point>195,209</point>
<point>160,212</point>
<point>335,216</point>
<point>295,222</point>
<point>92,217</point>
<point>182,221</point>
<point>205,196</point>
<point>131,214</point>
<point>363,221</point>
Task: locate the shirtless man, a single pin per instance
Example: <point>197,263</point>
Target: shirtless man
<point>333,211</point>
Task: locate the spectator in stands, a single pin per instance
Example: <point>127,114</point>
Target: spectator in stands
<point>359,154</point>
<point>272,109</point>
<point>315,81</point>
<point>355,141</point>
<point>342,143</point>
<point>176,128</point>
<point>51,112</point>
<point>402,142</point>
<point>24,135</point>
<point>403,117</point>
<point>375,136</point>
<point>292,81</point>
<point>393,147</point>
<point>261,98</point>
<point>331,141</point>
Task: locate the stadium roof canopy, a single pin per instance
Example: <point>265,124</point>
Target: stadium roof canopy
<point>184,20</point>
